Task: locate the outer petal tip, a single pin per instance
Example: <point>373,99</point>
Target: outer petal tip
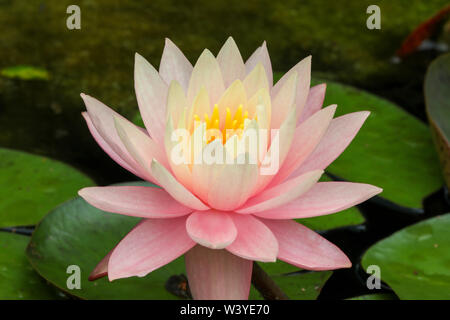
<point>138,60</point>
<point>83,192</point>
<point>348,264</point>
<point>366,113</point>
<point>377,190</point>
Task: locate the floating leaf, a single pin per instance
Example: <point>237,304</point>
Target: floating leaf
<point>25,73</point>
<point>17,278</point>
<point>437,98</point>
<point>295,283</point>
<point>30,186</point>
<point>415,261</point>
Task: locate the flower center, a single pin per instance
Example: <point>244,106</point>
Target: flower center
<point>233,125</point>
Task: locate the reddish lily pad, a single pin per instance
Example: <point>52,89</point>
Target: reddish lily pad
<point>30,186</point>
<point>437,98</point>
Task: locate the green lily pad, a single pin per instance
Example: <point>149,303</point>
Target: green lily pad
<point>393,149</point>
<point>349,217</point>
<point>17,277</point>
<point>376,296</point>
<point>302,286</point>
<point>30,186</point>
<point>25,73</point>
<point>415,261</point>
<point>437,98</point>
<point>76,233</point>
<point>296,285</point>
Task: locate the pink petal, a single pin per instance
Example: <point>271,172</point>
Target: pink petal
<point>323,198</point>
<point>145,202</point>
<point>174,65</point>
<point>176,102</point>
<point>102,118</point>
<point>314,102</point>
<point>340,133</point>
<point>261,55</point>
<point>282,103</point>
<point>306,138</point>
<point>304,82</point>
<point>206,73</point>
<point>167,181</point>
<point>141,147</point>
<point>151,94</point>
<point>303,68</point>
<point>101,270</point>
<point>254,240</point>
<point>217,274</point>
<point>233,96</point>
<point>239,179</point>
<point>152,244</point>
<point>276,155</point>
<point>212,229</point>
<point>256,80</point>
<point>180,170</point>
<point>304,248</point>
<point>281,194</point>
<point>106,147</point>
<point>230,62</point>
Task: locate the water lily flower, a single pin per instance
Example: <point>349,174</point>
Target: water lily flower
<point>222,217</point>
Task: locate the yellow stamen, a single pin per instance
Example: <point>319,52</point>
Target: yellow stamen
<point>231,123</point>
<point>228,118</point>
<point>208,122</point>
<point>215,114</point>
<point>238,114</point>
